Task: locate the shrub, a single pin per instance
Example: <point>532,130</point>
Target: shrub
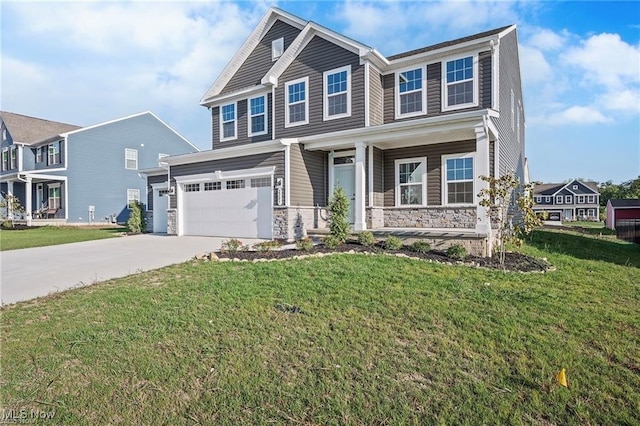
<point>366,238</point>
<point>331,242</point>
<point>457,251</point>
<point>392,243</point>
<point>304,244</point>
<point>420,247</point>
<point>266,245</point>
<point>338,215</point>
<point>137,222</point>
<point>232,246</point>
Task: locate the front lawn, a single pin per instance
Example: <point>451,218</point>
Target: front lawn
<point>345,339</point>
<point>19,238</point>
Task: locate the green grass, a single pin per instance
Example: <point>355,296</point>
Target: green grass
<point>381,340</point>
<point>13,239</point>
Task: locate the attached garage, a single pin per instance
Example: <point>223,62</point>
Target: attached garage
<point>227,204</point>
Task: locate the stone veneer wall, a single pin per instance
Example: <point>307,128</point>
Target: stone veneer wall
<point>430,217</point>
<point>149,218</point>
<point>172,222</point>
<point>292,223</point>
<point>375,218</point>
<point>476,246</point>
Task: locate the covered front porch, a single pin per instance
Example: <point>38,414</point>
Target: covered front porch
<point>43,197</point>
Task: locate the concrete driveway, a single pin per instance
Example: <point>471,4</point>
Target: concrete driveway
<point>35,272</point>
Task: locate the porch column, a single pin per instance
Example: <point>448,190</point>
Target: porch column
<point>27,204</point>
<point>483,225</point>
<point>359,210</point>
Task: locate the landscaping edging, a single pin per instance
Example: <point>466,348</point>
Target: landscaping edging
<point>514,262</point>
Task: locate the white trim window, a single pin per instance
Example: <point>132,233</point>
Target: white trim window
<point>14,158</point>
<point>133,196</point>
<point>547,199</point>
<point>538,200</point>
<point>257,116</point>
<point>590,199</point>
<point>228,122</point>
<point>591,213</point>
<point>580,199</point>
<point>5,159</point>
<point>54,153</point>
<point>411,96</point>
<point>567,199</point>
<point>277,48</point>
<point>130,159</point>
<point>4,135</point>
<point>458,179</point>
<point>411,182</point>
<point>39,151</point>
<point>559,199</point>
<point>54,199</point>
<point>460,80</point>
<point>296,102</point>
<point>337,93</point>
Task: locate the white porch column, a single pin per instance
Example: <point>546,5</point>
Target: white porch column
<point>483,226</point>
<point>359,210</point>
<point>27,204</point>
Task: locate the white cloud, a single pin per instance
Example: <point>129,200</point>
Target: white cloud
<point>534,64</point>
<point>546,40</point>
<point>578,115</point>
<point>625,101</point>
<point>606,60</point>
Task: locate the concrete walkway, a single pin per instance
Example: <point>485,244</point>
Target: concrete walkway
<point>35,272</point>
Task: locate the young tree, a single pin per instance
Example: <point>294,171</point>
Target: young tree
<point>514,220</point>
<point>339,215</point>
<point>137,222</point>
<point>9,207</point>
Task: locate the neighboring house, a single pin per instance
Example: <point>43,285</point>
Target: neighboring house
<point>571,201</point>
<point>617,210</point>
<point>300,110</point>
<point>72,174</point>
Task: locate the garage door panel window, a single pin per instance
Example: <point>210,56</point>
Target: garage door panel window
<point>236,184</point>
<point>212,186</point>
<point>260,182</point>
<point>191,187</point>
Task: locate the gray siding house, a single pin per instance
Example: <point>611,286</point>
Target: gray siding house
<point>63,173</point>
<point>571,201</point>
<point>301,110</point>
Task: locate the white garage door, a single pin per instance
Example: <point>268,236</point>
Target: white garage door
<point>232,208</point>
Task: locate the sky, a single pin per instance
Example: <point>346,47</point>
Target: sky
<point>88,62</point>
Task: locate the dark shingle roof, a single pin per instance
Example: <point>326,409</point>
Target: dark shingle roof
<point>552,188</point>
<point>29,130</point>
<point>631,202</point>
<point>448,43</point>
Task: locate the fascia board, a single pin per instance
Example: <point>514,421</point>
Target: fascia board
<point>236,95</point>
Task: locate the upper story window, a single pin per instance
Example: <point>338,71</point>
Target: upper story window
<point>458,179</point>
<point>5,160</point>
<point>411,97</point>
<point>297,105</point>
<point>558,199</point>
<point>39,154</point>
<point>411,182</point>
<point>538,199</point>
<point>547,199</point>
<point>228,122</point>
<point>581,199</point>
<point>131,159</point>
<point>257,116</point>
<point>567,199</point>
<point>460,83</point>
<point>590,199</point>
<point>277,48</point>
<point>54,153</point>
<point>4,135</point>
<point>14,158</point>
<point>337,96</point>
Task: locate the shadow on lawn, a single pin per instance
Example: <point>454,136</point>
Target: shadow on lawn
<point>586,247</point>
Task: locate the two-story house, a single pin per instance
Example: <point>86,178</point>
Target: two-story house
<point>63,173</point>
<point>301,109</point>
<point>571,201</point>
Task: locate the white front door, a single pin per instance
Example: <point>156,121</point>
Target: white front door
<point>160,206</point>
<point>344,176</point>
<point>39,196</point>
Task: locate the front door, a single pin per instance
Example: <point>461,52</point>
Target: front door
<point>344,176</point>
<point>160,206</point>
<point>568,214</point>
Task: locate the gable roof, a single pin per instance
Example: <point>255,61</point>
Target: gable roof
<point>29,130</point>
<point>630,202</point>
<point>551,189</point>
<point>449,43</point>
<point>248,46</point>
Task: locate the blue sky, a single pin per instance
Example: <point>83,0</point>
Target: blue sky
<point>89,62</point>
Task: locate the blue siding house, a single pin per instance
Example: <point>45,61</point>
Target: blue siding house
<point>70,174</point>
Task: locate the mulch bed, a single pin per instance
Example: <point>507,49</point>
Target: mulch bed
<point>515,262</point>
